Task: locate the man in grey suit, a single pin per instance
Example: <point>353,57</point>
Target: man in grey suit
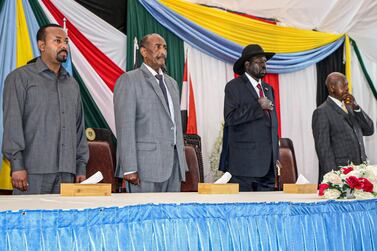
<point>339,125</point>
<point>150,153</point>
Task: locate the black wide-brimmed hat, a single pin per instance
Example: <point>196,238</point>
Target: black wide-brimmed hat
<point>248,52</point>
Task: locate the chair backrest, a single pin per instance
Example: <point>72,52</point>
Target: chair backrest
<point>193,175</point>
<point>102,157</point>
<point>287,158</point>
<point>194,140</point>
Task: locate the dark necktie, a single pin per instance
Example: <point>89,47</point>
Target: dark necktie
<point>163,88</point>
<point>261,95</point>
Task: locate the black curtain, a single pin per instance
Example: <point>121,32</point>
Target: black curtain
<point>333,62</point>
<point>112,11</point>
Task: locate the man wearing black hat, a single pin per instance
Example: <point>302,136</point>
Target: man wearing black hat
<point>250,137</point>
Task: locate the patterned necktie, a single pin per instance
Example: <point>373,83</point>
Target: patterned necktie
<point>163,88</point>
<point>261,95</point>
<point>344,108</point>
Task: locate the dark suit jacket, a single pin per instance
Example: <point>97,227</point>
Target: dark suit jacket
<point>338,136</point>
<point>250,138</point>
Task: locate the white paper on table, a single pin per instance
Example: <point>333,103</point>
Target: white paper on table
<point>94,179</point>
<point>224,179</point>
<point>302,180</point>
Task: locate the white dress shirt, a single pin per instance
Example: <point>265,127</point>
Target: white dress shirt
<point>254,83</point>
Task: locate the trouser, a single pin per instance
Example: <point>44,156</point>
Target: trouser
<point>173,184</point>
<point>46,183</point>
<point>265,183</point>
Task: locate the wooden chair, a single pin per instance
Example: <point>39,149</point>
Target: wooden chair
<point>287,159</point>
<point>101,155</point>
<point>193,174</point>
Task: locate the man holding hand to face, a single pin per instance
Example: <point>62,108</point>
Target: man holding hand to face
<point>339,125</point>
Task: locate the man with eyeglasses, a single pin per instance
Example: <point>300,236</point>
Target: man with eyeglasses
<point>251,148</point>
<point>44,137</point>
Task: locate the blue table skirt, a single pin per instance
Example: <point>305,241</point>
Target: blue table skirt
<point>330,225</point>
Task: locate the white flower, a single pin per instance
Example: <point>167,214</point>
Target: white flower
<point>371,173</point>
<point>359,194</point>
<point>332,194</point>
<point>333,178</point>
<point>355,172</point>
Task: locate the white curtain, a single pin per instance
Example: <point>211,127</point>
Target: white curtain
<point>104,36</point>
<point>297,97</point>
<point>364,97</point>
<point>297,103</point>
<point>209,77</point>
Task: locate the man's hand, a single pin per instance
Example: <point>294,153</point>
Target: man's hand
<point>19,180</point>
<point>266,104</point>
<point>133,178</point>
<point>80,178</point>
<point>349,100</point>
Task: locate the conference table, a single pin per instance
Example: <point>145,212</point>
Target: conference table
<point>187,221</point>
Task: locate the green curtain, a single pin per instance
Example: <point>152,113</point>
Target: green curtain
<point>93,116</point>
<point>364,69</point>
<point>38,13</point>
<point>1,5</point>
<point>141,23</point>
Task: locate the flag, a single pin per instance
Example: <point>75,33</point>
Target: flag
<point>188,111</point>
<point>136,48</point>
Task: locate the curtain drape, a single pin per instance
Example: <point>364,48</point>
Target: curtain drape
<point>334,62</point>
<point>141,23</point>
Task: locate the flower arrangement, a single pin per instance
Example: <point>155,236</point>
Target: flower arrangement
<point>352,181</point>
<point>214,158</point>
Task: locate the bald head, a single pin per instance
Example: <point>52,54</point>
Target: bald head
<point>337,85</point>
<point>154,51</point>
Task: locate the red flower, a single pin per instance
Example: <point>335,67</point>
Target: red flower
<point>354,182</point>
<point>322,188</point>
<point>347,169</point>
<point>367,185</point>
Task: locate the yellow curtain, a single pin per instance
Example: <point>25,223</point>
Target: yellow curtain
<point>244,31</point>
<point>23,54</point>
<point>348,63</point>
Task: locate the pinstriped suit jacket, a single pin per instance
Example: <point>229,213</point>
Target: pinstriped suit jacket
<point>338,136</point>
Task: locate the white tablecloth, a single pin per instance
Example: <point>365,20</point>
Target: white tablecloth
<point>54,201</point>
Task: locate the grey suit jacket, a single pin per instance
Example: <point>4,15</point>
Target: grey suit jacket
<point>145,131</point>
<point>338,136</point>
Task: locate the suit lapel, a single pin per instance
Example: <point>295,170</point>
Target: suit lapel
<point>267,91</point>
<point>249,86</point>
<point>153,82</point>
<point>339,110</point>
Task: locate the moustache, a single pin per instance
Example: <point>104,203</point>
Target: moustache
<point>63,50</point>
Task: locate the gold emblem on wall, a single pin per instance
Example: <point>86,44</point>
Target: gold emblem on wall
<point>90,134</point>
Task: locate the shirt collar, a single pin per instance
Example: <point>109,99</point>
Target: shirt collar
<point>336,101</point>
<point>41,67</point>
<point>252,80</point>
<point>153,72</point>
